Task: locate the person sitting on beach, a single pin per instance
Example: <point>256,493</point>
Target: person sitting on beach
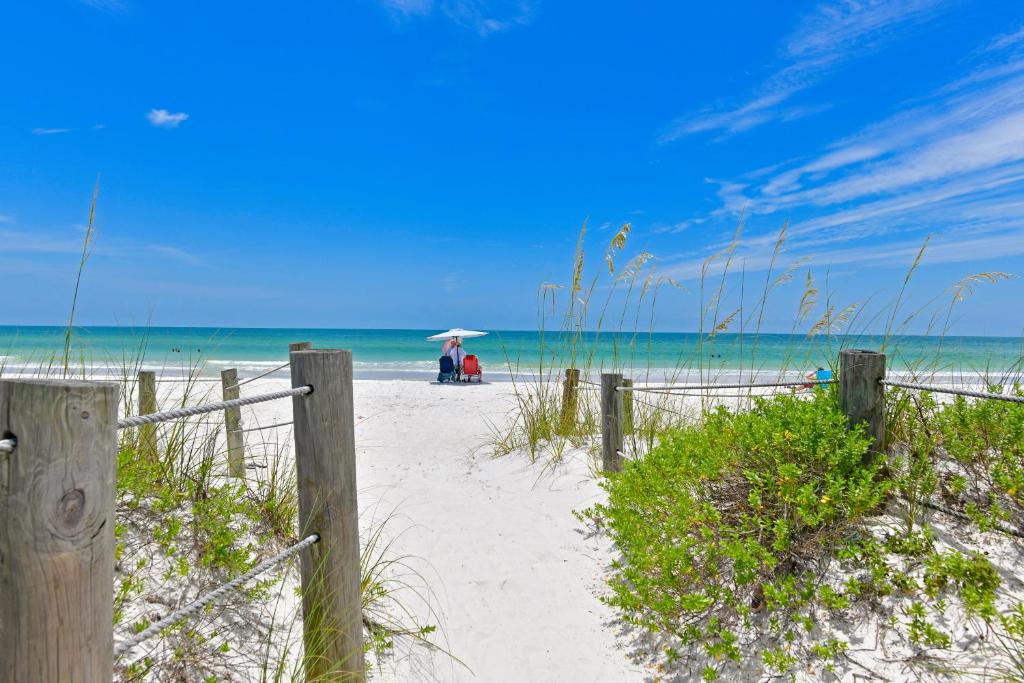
<point>820,376</point>
<point>458,355</point>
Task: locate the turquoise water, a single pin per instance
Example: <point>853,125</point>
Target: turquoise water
<point>400,353</point>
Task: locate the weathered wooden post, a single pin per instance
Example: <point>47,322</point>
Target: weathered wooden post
<point>325,461</point>
<point>627,407</point>
<point>861,394</point>
<point>57,530</point>
<point>300,346</point>
<point>233,424</point>
<point>611,421</point>
<point>147,404</point>
<point>570,398</point>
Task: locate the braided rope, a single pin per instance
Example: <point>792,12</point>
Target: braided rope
<point>187,380</point>
<point>262,374</point>
<point>952,390</point>
<point>192,608</point>
<point>176,413</point>
<point>7,445</point>
<point>262,427</point>
<point>671,388</point>
<point>637,399</point>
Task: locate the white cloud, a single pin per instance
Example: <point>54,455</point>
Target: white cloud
<point>951,136</point>
<point>174,253</point>
<point>106,5</point>
<point>1007,40</point>
<point>451,282</point>
<point>483,17</point>
<point>952,246</point>
<point>989,146</point>
<point>835,32</point>
<point>951,164</point>
<point>50,131</point>
<point>70,242</point>
<point>408,8</point>
<point>165,119</point>
<point>489,16</point>
<point>19,241</point>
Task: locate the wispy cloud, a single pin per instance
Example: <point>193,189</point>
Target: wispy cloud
<point>946,247</point>
<point>409,8</point>
<point>952,164</point>
<point>16,241</point>
<point>1011,39</point>
<point>483,17</point>
<point>165,119</point>
<point>834,33</point>
<point>106,5</point>
<point>50,131</point>
<point>174,253</point>
<point>451,282</point>
<point>69,241</point>
<point>679,226</point>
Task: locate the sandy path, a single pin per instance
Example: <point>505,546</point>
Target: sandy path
<point>516,580</point>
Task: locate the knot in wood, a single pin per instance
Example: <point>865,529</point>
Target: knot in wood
<point>71,508</point>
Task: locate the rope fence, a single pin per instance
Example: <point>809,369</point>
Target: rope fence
<point>263,427</point>
<point>680,413</point>
<point>259,376</point>
<point>177,413</point>
<point>952,390</point>
<point>671,388</point>
<point>198,604</point>
<point>187,380</point>
<point>75,616</point>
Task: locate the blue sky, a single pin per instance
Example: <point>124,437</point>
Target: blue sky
<point>415,163</point>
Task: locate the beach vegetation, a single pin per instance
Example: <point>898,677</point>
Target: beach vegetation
<point>752,536</point>
<point>184,527</point>
<point>752,540</point>
<point>720,526</point>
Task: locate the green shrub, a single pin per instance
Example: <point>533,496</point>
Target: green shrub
<point>722,521</point>
<point>986,438</point>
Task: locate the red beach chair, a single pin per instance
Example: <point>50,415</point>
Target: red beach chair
<point>471,368</point>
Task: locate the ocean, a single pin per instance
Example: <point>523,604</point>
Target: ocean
<point>394,354</point>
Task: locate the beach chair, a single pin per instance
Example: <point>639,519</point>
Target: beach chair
<point>446,369</point>
<point>471,368</point>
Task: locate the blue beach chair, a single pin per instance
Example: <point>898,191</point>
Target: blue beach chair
<point>446,371</point>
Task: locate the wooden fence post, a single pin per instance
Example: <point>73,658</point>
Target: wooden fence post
<point>627,408</point>
<point>325,461</point>
<point>611,421</point>
<point>861,394</point>
<point>147,404</point>
<point>570,398</point>
<point>57,530</point>
<point>300,346</point>
<point>233,424</point>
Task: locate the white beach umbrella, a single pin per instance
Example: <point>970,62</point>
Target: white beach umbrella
<point>456,332</point>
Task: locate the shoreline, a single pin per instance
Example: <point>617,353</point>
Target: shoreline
<point>375,372</point>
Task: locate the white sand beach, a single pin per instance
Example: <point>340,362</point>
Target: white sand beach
<point>516,578</point>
